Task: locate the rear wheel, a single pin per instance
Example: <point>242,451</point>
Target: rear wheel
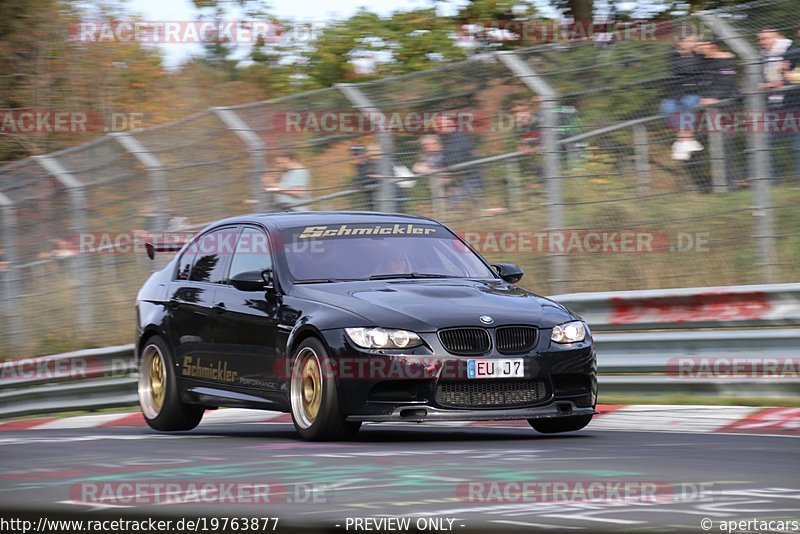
<point>314,399</point>
<point>560,424</point>
<point>158,391</point>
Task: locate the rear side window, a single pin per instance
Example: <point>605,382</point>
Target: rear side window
<point>252,252</point>
<point>207,258</point>
<point>185,264</point>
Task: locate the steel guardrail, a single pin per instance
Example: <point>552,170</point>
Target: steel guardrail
<point>775,305</point>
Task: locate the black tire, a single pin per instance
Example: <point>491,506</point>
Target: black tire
<point>170,414</point>
<point>314,398</point>
<point>560,424</point>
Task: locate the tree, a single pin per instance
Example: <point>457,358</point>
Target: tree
<point>45,68</point>
<point>403,42</point>
<point>583,10</point>
<point>218,52</point>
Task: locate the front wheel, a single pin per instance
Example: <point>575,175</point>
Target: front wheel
<point>315,402</point>
<point>158,391</point>
<point>560,424</point>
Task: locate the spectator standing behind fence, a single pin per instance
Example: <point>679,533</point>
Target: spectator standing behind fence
<point>683,96</point>
<point>457,148</point>
<point>718,88</point>
<point>293,186</point>
<point>780,57</point>
<point>718,81</point>
<point>367,159</point>
<point>368,179</point>
<point>431,159</point>
<point>528,127</point>
<point>792,105</point>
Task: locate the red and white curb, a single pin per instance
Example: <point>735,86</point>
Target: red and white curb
<point>637,417</point>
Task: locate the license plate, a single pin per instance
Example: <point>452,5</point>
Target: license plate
<point>507,368</point>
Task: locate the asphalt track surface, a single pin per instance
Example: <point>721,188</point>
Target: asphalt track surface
<point>409,472</point>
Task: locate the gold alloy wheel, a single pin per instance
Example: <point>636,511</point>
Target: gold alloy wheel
<point>152,382</point>
<point>306,387</point>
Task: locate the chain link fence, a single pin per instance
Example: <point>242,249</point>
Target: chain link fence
<point>594,165</point>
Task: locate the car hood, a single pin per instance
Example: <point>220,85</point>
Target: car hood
<point>427,305</point>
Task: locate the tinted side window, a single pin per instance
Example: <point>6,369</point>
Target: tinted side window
<point>185,264</point>
<point>212,253</point>
<point>252,252</point>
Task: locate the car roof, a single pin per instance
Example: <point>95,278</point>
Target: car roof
<point>289,219</point>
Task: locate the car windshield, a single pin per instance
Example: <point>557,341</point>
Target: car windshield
<point>378,251</point>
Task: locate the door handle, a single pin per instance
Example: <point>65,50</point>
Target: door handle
<point>219,307</point>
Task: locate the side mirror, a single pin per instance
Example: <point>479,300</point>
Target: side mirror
<point>509,272</point>
<point>252,281</point>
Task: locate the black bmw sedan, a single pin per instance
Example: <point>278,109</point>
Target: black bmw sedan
<point>344,318</point>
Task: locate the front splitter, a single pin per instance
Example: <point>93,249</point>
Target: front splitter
<point>421,414</point>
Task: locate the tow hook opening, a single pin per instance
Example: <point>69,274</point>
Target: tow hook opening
<point>564,407</point>
<point>413,413</point>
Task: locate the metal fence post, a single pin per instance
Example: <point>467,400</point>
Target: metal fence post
<point>642,156</point>
<point>10,276</point>
<point>77,198</point>
<point>387,200</point>
<point>155,169</point>
<point>552,158</point>
<point>760,173</point>
<point>716,151</point>
<point>514,186</point>
<point>257,150</point>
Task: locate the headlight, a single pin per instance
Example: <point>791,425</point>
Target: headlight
<point>569,332</point>
<point>381,338</point>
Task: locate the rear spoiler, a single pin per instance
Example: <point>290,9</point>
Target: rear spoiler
<point>161,247</point>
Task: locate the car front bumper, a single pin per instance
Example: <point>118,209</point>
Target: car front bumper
<point>406,387</point>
